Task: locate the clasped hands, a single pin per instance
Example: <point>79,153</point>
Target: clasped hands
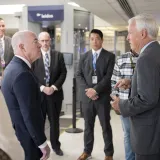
<point>121,84</point>
<point>91,93</point>
<point>48,90</point>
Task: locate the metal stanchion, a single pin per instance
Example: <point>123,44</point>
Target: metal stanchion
<point>74,129</point>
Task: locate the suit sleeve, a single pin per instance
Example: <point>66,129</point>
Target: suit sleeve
<point>148,82</point>
<point>59,82</point>
<point>106,80</point>
<point>27,94</point>
<point>80,74</point>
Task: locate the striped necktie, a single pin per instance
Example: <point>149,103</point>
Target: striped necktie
<point>46,65</point>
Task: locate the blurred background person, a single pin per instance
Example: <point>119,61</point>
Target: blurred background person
<point>6,51</point>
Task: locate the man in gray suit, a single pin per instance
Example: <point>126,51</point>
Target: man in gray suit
<point>94,73</point>
<point>6,51</point>
<point>143,106</point>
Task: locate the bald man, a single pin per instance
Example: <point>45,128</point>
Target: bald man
<point>51,72</point>
<point>22,96</point>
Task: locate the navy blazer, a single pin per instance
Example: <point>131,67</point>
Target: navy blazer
<point>21,93</point>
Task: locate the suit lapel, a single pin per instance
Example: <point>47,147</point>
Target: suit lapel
<point>41,66</point>
<point>100,59</point>
<point>5,47</point>
<point>90,59</point>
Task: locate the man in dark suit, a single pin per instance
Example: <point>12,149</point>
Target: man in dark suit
<point>143,106</point>
<point>6,51</point>
<point>22,96</point>
<point>50,71</point>
<point>94,73</point>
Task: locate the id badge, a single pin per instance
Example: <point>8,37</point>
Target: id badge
<point>94,79</point>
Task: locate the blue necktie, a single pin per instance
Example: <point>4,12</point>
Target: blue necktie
<point>46,65</point>
<point>94,60</point>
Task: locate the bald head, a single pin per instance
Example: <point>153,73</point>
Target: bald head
<point>25,44</point>
<point>45,41</point>
<point>19,38</point>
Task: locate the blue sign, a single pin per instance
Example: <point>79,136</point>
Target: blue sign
<point>46,13</point>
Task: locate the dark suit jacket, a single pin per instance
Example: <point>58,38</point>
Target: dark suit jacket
<point>8,51</point>
<point>22,96</point>
<point>144,104</point>
<point>104,69</point>
<point>57,74</point>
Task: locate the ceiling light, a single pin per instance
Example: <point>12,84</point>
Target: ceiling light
<point>11,9</point>
<point>74,4</point>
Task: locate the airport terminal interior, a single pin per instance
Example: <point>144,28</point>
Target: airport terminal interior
<point>69,23</point>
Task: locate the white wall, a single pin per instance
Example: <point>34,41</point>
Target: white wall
<point>67,46</point>
<point>34,27</point>
<point>32,3</point>
<point>10,21</point>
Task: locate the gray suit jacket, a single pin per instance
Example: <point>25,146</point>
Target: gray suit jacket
<point>104,69</point>
<point>8,51</point>
<point>143,106</point>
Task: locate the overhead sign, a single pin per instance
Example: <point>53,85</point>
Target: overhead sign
<point>46,13</point>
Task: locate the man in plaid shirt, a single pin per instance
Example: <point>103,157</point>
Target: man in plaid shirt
<point>124,69</point>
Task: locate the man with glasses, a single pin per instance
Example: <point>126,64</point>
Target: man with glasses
<point>50,71</point>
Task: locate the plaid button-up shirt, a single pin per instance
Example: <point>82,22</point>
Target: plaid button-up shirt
<point>123,69</point>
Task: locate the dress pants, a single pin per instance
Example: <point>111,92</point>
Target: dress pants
<point>53,110</point>
<point>148,157</point>
<point>31,151</point>
<point>90,110</point>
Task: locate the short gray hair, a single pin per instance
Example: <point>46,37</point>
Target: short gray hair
<point>18,38</point>
<point>148,22</point>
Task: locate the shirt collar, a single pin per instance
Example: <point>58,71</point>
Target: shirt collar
<point>43,52</point>
<point>146,46</point>
<point>98,51</point>
<point>25,60</point>
<point>2,38</point>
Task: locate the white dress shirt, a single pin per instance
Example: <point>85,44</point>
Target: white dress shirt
<point>49,56</point>
<point>98,52</point>
<point>3,44</point>
<point>29,65</point>
<point>146,46</point>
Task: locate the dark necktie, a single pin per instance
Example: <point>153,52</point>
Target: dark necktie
<point>46,65</point>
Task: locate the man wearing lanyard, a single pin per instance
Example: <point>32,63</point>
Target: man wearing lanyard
<point>94,76</point>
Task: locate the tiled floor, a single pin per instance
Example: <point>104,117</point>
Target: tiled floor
<point>72,144</point>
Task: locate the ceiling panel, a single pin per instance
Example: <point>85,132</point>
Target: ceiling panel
<point>110,10</point>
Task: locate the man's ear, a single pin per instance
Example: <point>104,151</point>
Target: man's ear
<point>144,33</point>
<point>21,46</point>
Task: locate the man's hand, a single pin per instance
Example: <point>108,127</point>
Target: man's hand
<point>123,84</point>
<point>46,153</point>
<point>115,103</point>
<point>95,98</point>
<point>48,90</point>
<point>91,93</point>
